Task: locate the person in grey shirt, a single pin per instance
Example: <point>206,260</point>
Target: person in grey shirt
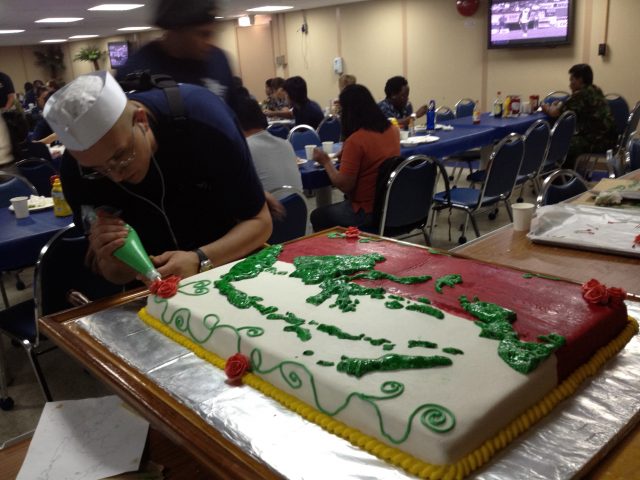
<point>274,158</point>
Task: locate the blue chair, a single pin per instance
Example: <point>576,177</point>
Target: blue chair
<point>38,171</point>
<point>620,111</point>
<point>294,224</point>
<point>404,203</point>
<point>34,150</point>
<point>278,130</point>
<point>464,107</point>
<point>53,292</point>
<point>633,154</point>
<point>444,114</point>
<point>556,96</point>
<point>536,144</point>
<point>502,171</point>
<point>552,192</point>
<point>14,186</point>
<point>561,134</point>
<point>302,135</point>
<point>329,130</point>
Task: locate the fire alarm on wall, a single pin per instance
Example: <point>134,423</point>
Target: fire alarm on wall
<point>304,28</point>
<point>467,7</point>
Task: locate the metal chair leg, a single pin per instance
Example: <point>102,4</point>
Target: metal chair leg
<point>38,371</point>
<point>5,299</point>
<point>474,224</point>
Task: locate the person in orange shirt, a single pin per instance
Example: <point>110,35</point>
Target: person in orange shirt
<point>369,140</point>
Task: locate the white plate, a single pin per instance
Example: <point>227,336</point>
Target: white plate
<point>301,161</point>
<point>419,140</point>
<point>422,128</point>
<point>37,203</point>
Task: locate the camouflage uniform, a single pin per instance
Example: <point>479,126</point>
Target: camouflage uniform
<point>595,129</point>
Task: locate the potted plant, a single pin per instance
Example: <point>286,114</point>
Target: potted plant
<point>51,58</point>
<point>90,54</point>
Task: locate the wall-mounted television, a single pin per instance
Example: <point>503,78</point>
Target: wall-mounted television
<point>118,53</point>
<point>530,23</point>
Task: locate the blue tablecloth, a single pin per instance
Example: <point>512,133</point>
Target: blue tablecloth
<point>501,126</point>
<point>453,141</point>
<point>22,239</point>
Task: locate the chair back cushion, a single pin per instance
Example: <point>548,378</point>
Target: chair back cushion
<point>561,135</point>
<point>294,224</point>
<point>620,111</point>
<point>503,167</point>
<point>330,130</point>
<point>634,154</point>
<point>299,139</point>
<point>16,186</point>
<point>38,171</point>
<point>559,193</point>
<point>464,108</point>
<point>536,142</point>
<point>278,130</point>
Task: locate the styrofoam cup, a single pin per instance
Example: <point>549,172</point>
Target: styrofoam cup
<point>522,215</point>
<point>308,151</point>
<point>404,134</point>
<point>327,147</point>
<point>20,206</point>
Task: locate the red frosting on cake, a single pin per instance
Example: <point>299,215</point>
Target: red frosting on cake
<point>542,306</point>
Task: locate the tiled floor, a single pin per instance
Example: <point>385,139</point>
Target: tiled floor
<point>67,380</point>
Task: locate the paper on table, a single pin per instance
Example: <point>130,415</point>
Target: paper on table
<point>85,439</point>
<point>588,228</point>
<point>420,139</point>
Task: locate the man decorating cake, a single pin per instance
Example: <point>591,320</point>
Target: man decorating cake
<point>190,189</point>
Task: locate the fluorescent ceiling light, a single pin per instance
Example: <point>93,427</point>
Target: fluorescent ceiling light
<point>269,8</point>
<point>133,29</point>
<point>54,40</point>
<point>59,20</point>
<point>218,18</point>
<point>116,7</point>
<point>244,21</point>
<point>2,32</point>
<point>75,37</point>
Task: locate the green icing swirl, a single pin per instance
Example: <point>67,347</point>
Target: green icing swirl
<point>453,351</point>
<point>393,305</point>
<point>334,331</point>
<point>359,367</point>
<point>308,353</point>
<point>426,309</point>
<point>324,363</point>
<point>448,280</point>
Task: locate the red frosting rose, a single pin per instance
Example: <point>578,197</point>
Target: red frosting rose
<point>352,232</point>
<point>165,287</point>
<point>237,365</point>
<point>595,292</point>
<point>616,295</point>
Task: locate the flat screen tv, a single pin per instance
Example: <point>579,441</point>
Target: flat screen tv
<point>118,53</point>
<point>530,23</point>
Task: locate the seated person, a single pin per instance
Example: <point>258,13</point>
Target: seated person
<point>369,140</point>
<point>305,111</point>
<point>396,104</point>
<point>344,81</point>
<point>275,100</point>
<point>595,128</point>
<point>273,157</point>
<point>187,186</point>
<point>42,131</point>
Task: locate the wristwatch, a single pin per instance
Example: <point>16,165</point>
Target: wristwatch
<point>205,263</point>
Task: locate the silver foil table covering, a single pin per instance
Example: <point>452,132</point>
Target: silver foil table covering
<point>561,446</point>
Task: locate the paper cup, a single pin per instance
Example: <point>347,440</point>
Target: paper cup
<point>20,206</point>
<point>522,215</point>
<point>327,147</point>
<point>404,134</point>
<point>308,151</point>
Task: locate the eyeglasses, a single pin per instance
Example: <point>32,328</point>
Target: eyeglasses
<point>113,165</point>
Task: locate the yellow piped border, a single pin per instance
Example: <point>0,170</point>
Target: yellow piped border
<point>411,464</point>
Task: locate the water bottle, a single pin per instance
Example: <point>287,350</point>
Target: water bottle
<point>412,125</point>
<point>497,106</point>
<point>431,116</point>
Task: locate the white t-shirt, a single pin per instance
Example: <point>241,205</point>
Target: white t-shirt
<point>275,161</point>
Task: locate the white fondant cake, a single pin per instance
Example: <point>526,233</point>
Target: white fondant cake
<point>439,414</point>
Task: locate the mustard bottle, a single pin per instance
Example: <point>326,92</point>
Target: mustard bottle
<point>60,206</point>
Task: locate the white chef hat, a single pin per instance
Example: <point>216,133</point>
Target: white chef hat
<point>85,109</point>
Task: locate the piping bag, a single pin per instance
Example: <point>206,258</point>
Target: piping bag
<point>132,253</point>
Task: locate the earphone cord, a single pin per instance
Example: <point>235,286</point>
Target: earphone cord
<point>158,208</point>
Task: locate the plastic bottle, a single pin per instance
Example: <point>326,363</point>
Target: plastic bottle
<point>60,206</point>
<point>412,125</point>
<point>507,107</point>
<point>431,115</point>
<point>476,112</point>
<point>497,106</point>
<point>133,254</point>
